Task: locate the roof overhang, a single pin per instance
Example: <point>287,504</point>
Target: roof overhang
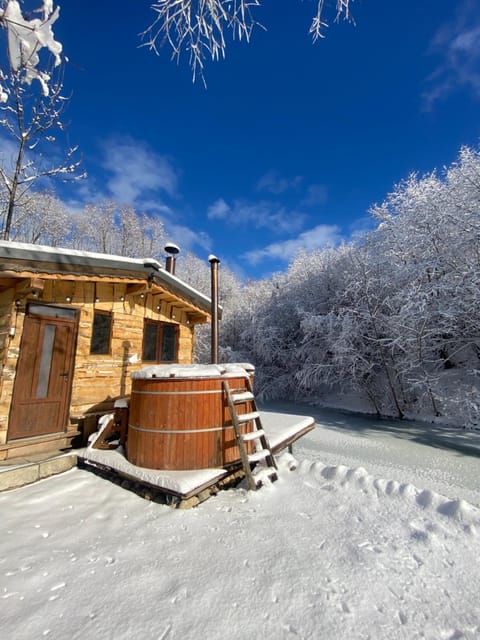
<point>23,260</point>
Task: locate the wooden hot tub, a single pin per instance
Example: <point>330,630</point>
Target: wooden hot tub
<point>179,417</point>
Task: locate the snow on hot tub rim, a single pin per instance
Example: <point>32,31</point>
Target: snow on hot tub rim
<point>197,371</point>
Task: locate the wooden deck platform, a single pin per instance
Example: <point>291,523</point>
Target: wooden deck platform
<point>191,487</point>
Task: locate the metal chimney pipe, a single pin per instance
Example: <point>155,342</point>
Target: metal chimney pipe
<point>170,262</point>
<point>214,262</point>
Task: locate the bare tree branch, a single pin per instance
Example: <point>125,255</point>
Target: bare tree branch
<point>198,28</point>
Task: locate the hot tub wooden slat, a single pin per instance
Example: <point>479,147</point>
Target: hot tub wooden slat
<point>182,423</point>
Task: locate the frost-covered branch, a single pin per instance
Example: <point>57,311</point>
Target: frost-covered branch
<point>31,113</point>
<point>199,28</point>
<point>318,24</point>
<point>25,39</point>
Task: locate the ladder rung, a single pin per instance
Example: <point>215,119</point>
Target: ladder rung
<point>245,396</point>
<point>253,435</point>
<point>259,455</point>
<point>239,396</point>
<point>246,417</point>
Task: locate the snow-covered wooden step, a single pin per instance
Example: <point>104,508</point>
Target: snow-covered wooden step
<point>263,473</point>
<point>245,396</point>
<point>253,435</point>
<point>259,455</point>
<point>246,417</point>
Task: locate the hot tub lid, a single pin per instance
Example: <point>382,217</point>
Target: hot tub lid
<point>227,370</point>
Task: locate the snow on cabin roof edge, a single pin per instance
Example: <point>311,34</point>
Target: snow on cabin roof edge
<point>76,258</point>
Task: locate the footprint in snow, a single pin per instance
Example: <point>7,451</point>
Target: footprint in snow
<point>165,633</point>
<point>14,572</point>
<point>402,617</point>
<point>305,515</point>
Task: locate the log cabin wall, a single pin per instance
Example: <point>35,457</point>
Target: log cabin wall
<point>9,350</point>
<point>97,379</point>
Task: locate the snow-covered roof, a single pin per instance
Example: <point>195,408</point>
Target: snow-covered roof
<point>36,257</point>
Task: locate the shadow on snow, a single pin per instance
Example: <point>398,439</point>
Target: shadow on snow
<point>464,442</point>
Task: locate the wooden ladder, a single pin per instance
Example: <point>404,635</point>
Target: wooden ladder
<point>263,452</point>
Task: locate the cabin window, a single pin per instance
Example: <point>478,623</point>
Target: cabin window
<point>160,342</point>
<point>101,334</point>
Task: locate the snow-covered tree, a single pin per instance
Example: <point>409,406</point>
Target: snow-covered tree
<point>107,227</point>
<point>42,219</point>
<point>153,237</point>
<point>392,318</point>
<point>430,228</point>
<point>31,105</point>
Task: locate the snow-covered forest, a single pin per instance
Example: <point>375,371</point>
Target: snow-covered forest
<point>392,317</point>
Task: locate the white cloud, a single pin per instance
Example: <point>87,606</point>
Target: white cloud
<point>458,46</point>
<point>263,214</point>
<point>316,194</point>
<point>317,238</point>
<point>137,171</point>
<point>274,183</point>
<point>156,206</point>
<point>219,210</point>
<point>187,238</point>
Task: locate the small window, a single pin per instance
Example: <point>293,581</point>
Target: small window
<point>102,330</point>
<point>169,343</point>
<point>160,342</point>
<point>150,338</point>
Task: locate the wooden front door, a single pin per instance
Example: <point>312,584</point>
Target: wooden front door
<point>41,394</point>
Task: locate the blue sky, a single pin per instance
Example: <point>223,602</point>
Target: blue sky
<point>291,142</point>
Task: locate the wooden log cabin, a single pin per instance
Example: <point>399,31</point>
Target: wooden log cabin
<point>73,327</point>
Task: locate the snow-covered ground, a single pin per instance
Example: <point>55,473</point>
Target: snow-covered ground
<point>331,550</point>
<point>444,459</point>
